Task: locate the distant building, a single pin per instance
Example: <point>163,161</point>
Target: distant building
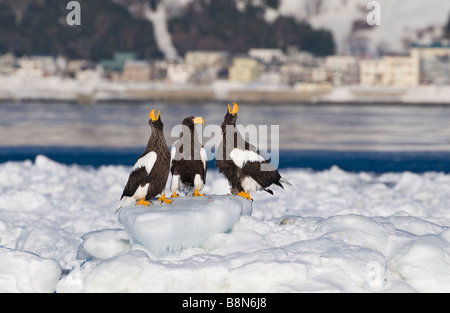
<point>36,66</point>
<point>89,74</point>
<point>136,71</point>
<point>435,50</point>
<point>302,57</point>
<point>7,64</point>
<point>271,75</point>
<point>118,61</point>
<point>204,76</point>
<point>180,73</point>
<point>159,70</point>
<point>81,69</point>
<point>317,74</point>
<point>292,72</point>
<point>268,56</point>
<point>217,60</point>
<point>208,65</point>
<point>399,71</point>
<point>343,69</point>
<point>78,65</point>
<point>245,69</point>
<point>434,63</point>
<point>435,70</point>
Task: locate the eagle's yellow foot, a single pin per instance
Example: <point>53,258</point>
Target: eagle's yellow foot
<point>197,194</point>
<point>163,199</point>
<point>245,195</point>
<point>143,202</point>
<point>174,195</point>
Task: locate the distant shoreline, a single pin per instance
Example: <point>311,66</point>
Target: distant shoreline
<point>55,89</point>
<point>133,101</point>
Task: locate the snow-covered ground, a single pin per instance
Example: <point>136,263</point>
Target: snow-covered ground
<point>332,231</point>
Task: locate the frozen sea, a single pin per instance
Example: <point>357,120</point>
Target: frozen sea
<point>368,209</point>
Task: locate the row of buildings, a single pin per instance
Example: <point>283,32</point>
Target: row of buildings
<point>423,65</point>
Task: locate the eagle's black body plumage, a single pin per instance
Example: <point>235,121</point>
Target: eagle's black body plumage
<point>242,164</point>
<point>189,164</point>
<point>151,170</point>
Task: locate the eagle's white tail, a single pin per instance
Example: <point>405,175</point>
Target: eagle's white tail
<point>125,201</point>
<point>284,181</point>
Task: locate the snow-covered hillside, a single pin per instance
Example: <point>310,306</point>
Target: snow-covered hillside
<point>331,231</point>
<point>402,21</point>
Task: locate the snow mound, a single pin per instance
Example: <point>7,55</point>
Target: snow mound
<point>103,244</point>
<point>25,272</point>
<point>186,223</point>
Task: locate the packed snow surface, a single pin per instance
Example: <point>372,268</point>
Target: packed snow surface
<point>332,231</point>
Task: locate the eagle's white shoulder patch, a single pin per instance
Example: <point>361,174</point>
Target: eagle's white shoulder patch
<point>240,157</point>
<point>147,161</point>
<point>173,151</point>
<point>204,157</point>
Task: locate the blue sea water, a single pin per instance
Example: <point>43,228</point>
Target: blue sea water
<point>352,161</point>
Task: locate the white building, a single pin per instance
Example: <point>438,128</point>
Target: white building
<point>292,72</point>
<point>217,60</point>
<point>302,57</point>
<point>7,64</point>
<point>268,56</point>
<point>271,76</point>
<point>343,69</point>
<point>317,74</point>
<point>74,66</point>
<point>180,73</point>
<point>438,50</point>
<point>398,71</point>
<point>36,66</point>
<point>245,69</point>
<point>136,71</point>
<point>434,63</point>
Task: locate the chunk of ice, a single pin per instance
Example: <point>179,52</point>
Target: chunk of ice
<point>186,223</point>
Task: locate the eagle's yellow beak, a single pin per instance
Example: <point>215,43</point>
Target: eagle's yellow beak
<point>152,115</point>
<point>235,109</point>
<point>199,120</point>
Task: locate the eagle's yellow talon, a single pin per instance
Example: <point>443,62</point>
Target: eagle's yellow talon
<point>245,195</point>
<point>163,199</point>
<point>143,202</point>
<point>197,194</point>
